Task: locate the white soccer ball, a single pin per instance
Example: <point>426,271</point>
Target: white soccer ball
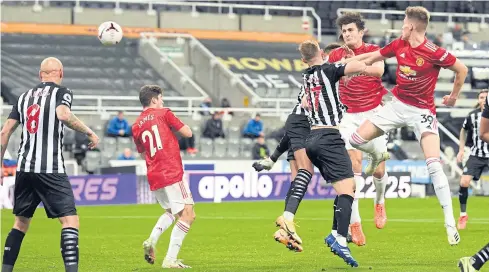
<point>110,33</point>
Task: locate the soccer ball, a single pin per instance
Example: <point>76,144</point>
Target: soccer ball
<point>109,33</point>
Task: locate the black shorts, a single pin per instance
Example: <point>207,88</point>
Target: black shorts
<point>54,190</point>
<point>326,150</point>
<point>475,166</point>
<point>297,128</point>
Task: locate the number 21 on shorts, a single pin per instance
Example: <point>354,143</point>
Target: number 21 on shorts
<point>152,137</point>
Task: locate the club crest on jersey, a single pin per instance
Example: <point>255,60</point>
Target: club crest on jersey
<point>419,61</point>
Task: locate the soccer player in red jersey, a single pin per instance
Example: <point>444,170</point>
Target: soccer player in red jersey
<point>419,62</point>
<point>362,95</point>
<point>154,138</point>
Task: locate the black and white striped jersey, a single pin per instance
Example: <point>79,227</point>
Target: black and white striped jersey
<point>41,142</point>
<point>321,85</point>
<point>298,109</point>
<point>471,124</point>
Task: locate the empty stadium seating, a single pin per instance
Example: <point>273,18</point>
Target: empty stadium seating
<point>325,9</point>
<point>89,67</point>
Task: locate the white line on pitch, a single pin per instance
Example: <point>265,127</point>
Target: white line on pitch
<point>404,220</point>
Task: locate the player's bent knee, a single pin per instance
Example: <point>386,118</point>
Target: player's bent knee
<point>465,180</point>
<point>70,221</point>
<point>22,223</point>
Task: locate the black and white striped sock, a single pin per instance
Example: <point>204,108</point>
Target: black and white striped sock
<point>298,191</point>
<point>69,249</point>
<point>481,257</point>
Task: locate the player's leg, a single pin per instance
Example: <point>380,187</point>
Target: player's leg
<point>182,204</point>
<point>163,223</point>
<point>281,235</point>
<point>474,263</point>
<point>357,235</point>
<point>25,204</point>
<point>380,179</point>
<point>430,144</point>
<point>472,171</point>
<point>463,195</point>
<point>56,194</point>
<point>385,119</point>
<point>327,151</point>
<point>297,128</point>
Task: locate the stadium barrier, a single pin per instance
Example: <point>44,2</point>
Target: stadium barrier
<point>223,181</point>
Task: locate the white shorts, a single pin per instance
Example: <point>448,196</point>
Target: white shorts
<point>174,197</point>
<point>350,123</point>
<point>396,114</point>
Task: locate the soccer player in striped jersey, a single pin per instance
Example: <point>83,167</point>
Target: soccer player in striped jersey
<point>419,62</point>
<point>297,128</point>
<point>43,111</point>
<point>479,156</point>
<point>324,145</point>
<point>475,263</point>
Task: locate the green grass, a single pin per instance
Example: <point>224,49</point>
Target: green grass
<point>238,237</point>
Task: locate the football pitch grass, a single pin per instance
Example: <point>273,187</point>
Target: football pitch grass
<point>238,237</point>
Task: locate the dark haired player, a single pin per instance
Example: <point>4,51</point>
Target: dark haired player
<point>362,95</point>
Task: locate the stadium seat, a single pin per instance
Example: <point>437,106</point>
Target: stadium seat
<point>123,143</point>
<point>92,161</point>
<point>206,148</point>
<point>220,147</point>
<point>90,68</point>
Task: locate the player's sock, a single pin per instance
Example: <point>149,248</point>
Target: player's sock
<point>334,229</point>
<point>69,249</point>
<point>300,184</point>
<point>165,221</point>
<point>12,248</point>
<point>481,257</point>
<point>355,213</point>
<point>289,192</point>
<point>361,144</point>
<point>176,239</point>
<point>380,185</point>
<point>463,195</point>
<point>442,189</point>
<point>343,214</point>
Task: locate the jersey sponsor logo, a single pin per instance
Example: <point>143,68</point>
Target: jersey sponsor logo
<point>419,61</point>
<point>407,70</point>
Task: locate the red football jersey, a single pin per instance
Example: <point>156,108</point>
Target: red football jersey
<point>360,93</point>
<point>417,71</point>
<point>152,134</point>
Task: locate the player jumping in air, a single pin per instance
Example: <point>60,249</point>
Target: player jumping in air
<point>43,111</point>
<point>419,62</point>
<point>297,128</point>
<point>479,156</point>
<point>324,145</point>
<point>153,136</point>
<point>475,263</point>
<point>362,95</point>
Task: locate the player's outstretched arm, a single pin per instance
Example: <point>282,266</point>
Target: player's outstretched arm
<point>69,119</point>
<point>7,130</point>
<point>461,72</point>
<point>356,67</point>
<point>368,58</point>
